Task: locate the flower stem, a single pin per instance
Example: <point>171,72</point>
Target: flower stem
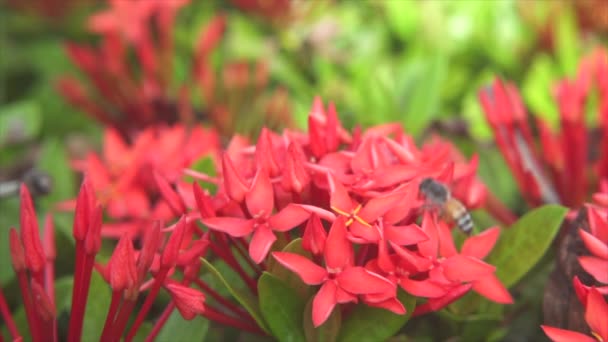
<point>107,327</point>
<point>7,318</point>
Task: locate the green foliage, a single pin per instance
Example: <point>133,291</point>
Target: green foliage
<point>177,329</point>
<point>366,323</point>
<point>244,297</point>
<point>521,246</point>
<point>282,309</point>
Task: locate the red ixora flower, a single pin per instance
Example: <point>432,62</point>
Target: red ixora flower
<point>131,101</point>
<point>596,312</point>
<point>126,176</point>
<point>340,280</point>
<point>558,173</point>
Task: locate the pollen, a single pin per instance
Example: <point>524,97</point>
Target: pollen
<point>352,216</point>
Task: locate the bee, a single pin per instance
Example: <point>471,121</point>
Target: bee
<point>437,195</point>
<point>39,183</point>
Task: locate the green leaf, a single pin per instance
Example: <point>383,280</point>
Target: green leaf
<point>54,161</point>
<point>177,329</point>
<point>245,298</point>
<point>326,332</point>
<point>524,243</point>
<point>96,311</point>
<point>282,308</point>
<point>19,121</point>
<point>366,323</point>
<point>423,102</point>
<point>567,42</point>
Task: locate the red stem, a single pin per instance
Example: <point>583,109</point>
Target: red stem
<point>499,211</point>
<point>214,315</point>
<point>241,246</point>
<point>32,318</point>
<point>228,304</point>
<point>78,273</point>
<point>83,295</point>
<point>229,259</point>
<point>7,318</point>
<point>150,298</point>
<point>122,319</point>
<point>107,327</point>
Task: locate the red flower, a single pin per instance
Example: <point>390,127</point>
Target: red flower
<point>259,202</point>
<point>188,301</point>
<point>595,314</point>
<point>340,280</point>
<point>559,173</point>
<point>596,242</point>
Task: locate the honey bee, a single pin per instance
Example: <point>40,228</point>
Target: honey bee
<point>437,195</point>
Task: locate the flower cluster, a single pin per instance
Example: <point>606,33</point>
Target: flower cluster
<point>596,264</point>
<point>560,172</point>
<point>130,100</point>
<point>129,273</point>
<point>128,176</point>
<point>354,200</point>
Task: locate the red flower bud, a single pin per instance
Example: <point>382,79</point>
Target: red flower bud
<point>43,304</point>
<point>171,251</point>
<point>188,301</point>
<point>17,252</point>
<point>122,265</point>
<point>30,235</point>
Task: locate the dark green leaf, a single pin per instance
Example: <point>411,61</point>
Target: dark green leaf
<point>96,311</point>
<point>366,323</point>
<point>244,297</point>
<point>521,246</point>
<point>177,329</point>
<point>282,308</point>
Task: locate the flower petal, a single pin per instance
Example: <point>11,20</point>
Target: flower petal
<point>430,247</point>
<point>596,314</point>
<point>594,245</point>
<point>260,243</point>
<point>339,195</point>
<point>358,280</point>
<point>435,304</point>
<point>323,303</point>
<point>260,198</point>
<point>340,255</point>
<point>233,182</point>
<point>314,236</point>
<point>378,206</point>
<point>480,245</point>
<point>405,235</point>
<point>561,335</point>
<point>233,226</point>
<point>422,288</point>
<point>598,224</point>
<point>462,268</point>
<point>309,272</point>
<point>491,288</point>
<point>393,305</point>
<point>596,267</point>
<point>288,218</point>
